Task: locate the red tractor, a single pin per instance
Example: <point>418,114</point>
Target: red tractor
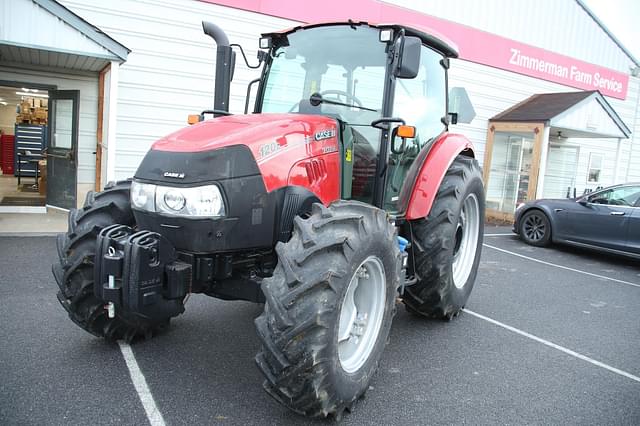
<point>342,192</point>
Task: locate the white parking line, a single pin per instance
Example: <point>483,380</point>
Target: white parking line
<point>561,266</point>
<point>554,346</point>
<point>153,414</point>
<point>497,235</point>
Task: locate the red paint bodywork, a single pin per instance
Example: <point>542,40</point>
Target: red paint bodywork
<point>283,145</point>
<point>442,154</point>
<point>287,153</point>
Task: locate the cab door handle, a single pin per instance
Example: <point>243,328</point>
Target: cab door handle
<point>617,213</point>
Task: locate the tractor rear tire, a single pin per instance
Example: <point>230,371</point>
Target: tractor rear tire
<point>74,270</point>
<point>446,245</point>
<point>322,332</point>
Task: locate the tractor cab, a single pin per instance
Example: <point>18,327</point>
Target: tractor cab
<point>371,79</point>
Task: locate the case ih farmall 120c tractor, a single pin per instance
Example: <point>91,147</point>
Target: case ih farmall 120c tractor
<point>341,192</point>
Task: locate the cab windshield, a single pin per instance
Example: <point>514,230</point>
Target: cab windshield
<point>343,64</point>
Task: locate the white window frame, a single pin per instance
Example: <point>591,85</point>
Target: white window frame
<point>591,157</point>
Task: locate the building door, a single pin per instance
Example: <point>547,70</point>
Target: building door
<point>560,174</point>
<point>510,171</point>
<point>62,148</point>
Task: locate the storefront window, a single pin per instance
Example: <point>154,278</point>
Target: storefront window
<point>510,170</point>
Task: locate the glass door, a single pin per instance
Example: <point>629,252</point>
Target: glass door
<point>62,149</point>
<point>510,171</point>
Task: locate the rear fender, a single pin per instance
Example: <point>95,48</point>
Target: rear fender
<point>442,153</point>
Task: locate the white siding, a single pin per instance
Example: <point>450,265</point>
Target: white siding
<point>87,84</point>
<point>493,90</point>
<point>560,26</point>
<point>629,166</point>
<point>58,36</point>
<point>170,70</point>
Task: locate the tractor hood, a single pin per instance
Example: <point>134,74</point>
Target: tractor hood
<point>264,134</point>
<point>279,147</point>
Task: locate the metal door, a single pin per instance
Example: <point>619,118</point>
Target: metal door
<point>62,148</point>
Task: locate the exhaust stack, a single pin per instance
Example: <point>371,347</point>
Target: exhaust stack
<point>225,63</point>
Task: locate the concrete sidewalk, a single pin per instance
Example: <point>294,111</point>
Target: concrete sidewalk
<point>33,224</point>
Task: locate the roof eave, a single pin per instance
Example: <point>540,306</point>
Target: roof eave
<point>608,32</point>
<point>90,31</point>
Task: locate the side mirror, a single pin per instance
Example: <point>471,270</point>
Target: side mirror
<point>403,132</point>
<point>583,201</point>
<point>460,108</point>
<point>409,57</point>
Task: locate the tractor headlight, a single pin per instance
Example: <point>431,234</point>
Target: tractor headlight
<point>196,202</point>
<point>143,196</point>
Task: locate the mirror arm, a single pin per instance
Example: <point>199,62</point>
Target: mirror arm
<point>398,55</point>
<point>215,112</point>
<point>383,123</point>
<point>246,102</point>
<point>261,56</point>
<point>403,145</point>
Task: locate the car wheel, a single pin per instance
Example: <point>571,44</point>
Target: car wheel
<point>535,228</point>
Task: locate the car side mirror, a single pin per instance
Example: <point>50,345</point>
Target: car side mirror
<point>583,201</point>
<point>409,57</point>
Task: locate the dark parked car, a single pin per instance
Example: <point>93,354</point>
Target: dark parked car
<point>608,220</point>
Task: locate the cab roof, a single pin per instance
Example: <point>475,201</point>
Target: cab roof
<point>428,36</point>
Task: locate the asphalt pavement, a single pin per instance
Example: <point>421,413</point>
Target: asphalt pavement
<point>550,336</point>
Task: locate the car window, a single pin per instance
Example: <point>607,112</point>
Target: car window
<point>624,196</point>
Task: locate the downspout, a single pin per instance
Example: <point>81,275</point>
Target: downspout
<point>112,119</point>
<point>616,170</point>
<point>633,134</point>
<point>542,166</point>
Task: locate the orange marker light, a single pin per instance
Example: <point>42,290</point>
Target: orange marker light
<point>407,132</point>
<point>193,119</point>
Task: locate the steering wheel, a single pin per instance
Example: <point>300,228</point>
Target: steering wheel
<point>348,96</point>
<point>336,92</point>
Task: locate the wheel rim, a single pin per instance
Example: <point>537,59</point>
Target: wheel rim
<point>466,240</point>
<point>361,314</point>
<point>534,227</point>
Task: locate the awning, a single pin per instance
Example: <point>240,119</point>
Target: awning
<point>43,32</point>
<point>572,115</point>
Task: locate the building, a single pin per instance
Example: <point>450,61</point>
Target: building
<point>556,95</point>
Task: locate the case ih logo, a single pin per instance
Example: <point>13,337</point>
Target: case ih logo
<point>325,134</point>
<point>175,175</point>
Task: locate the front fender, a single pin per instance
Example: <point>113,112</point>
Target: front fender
<point>432,171</point>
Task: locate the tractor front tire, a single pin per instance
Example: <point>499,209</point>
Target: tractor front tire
<point>74,270</point>
<point>446,245</point>
<point>328,310</point>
